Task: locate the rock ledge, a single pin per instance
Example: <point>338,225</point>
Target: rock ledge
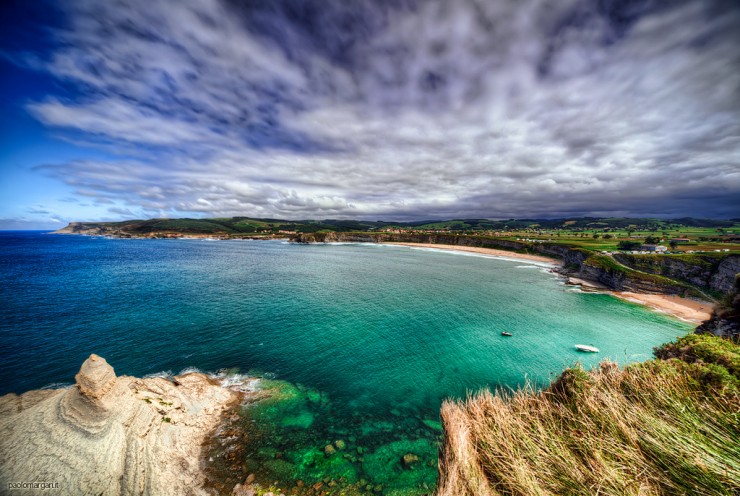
<point>113,435</point>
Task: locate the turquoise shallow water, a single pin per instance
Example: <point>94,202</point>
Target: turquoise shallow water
<point>376,336</point>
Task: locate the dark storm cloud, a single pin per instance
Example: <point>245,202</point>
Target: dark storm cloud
<point>404,109</point>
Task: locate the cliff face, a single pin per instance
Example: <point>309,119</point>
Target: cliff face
<point>715,272</point>
<point>725,320</point>
<point>726,275</point>
<point>721,325</point>
<point>112,435</point>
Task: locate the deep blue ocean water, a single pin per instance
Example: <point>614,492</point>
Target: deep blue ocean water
<point>382,332</point>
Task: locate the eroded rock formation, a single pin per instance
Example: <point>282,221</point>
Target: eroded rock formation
<point>112,435</point>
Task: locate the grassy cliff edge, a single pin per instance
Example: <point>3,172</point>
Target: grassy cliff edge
<point>666,426</point>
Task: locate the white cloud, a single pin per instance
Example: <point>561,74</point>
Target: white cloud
<point>455,108</point>
<point>119,120</point>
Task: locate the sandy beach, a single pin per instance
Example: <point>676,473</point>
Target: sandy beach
<point>482,251</point>
<point>687,309</point>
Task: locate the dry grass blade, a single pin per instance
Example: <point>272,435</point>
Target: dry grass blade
<point>661,427</point>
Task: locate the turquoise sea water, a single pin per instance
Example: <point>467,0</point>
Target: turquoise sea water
<point>374,336</point>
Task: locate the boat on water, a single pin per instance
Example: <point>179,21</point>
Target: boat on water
<point>587,348</point>
<point>504,333</point>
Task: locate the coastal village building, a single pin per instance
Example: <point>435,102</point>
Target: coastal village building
<point>654,248</point>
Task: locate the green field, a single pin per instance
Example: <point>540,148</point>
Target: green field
<point>701,238</point>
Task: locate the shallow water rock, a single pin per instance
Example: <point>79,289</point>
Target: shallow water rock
<point>281,469</point>
<point>409,459</point>
<point>433,424</point>
<point>385,465</point>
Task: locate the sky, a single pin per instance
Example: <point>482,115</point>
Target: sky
<point>376,109</point>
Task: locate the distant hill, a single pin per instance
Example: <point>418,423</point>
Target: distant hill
<point>218,226</point>
<point>261,226</point>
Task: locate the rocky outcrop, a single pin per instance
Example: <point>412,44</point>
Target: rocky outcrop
<point>725,320</point>
<point>722,326</point>
<point>724,278</point>
<point>112,435</point>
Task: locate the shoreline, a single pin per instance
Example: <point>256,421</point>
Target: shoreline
<point>209,237</point>
<point>482,251</point>
<point>685,309</point>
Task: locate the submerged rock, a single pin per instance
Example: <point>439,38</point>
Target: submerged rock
<point>281,469</point>
<point>409,459</point>
<point>433,424</point>
<point>386,465</point>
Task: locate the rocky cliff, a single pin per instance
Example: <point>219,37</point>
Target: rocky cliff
<point>725,320</point>
<point>712,271</point>
<point>619,277</point>
<point>111,435</point>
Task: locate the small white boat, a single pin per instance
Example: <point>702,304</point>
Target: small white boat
<point>586,348</point>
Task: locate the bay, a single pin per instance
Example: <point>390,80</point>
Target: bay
<point>380,334</point>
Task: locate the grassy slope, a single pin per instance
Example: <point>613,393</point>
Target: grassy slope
<point>667,426</point>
